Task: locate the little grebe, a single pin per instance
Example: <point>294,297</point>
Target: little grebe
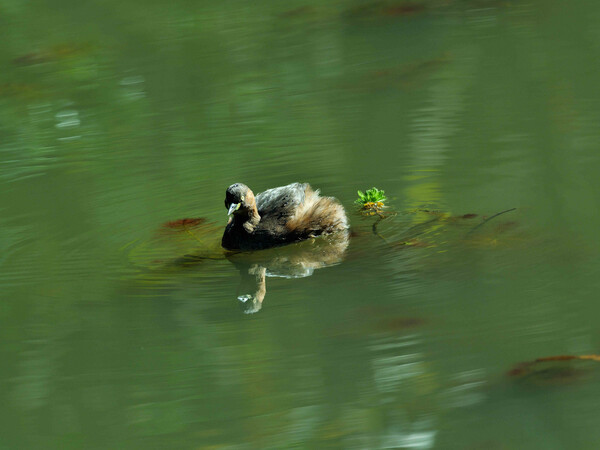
<point>279,216</point>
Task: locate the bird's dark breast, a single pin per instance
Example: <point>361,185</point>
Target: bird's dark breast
<point>230,238</point>
<point>270,233</point>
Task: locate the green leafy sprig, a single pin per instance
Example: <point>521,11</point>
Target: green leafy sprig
<point>370,196</point>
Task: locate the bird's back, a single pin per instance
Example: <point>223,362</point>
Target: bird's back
<point>282,201</point>
<point>297,212</point>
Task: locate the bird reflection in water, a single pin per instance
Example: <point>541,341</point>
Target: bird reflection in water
<point>292,261</point>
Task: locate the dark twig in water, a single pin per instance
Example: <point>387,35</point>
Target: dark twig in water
<point>420,228</point>
<point>374,228</point>
<point>479,225</point>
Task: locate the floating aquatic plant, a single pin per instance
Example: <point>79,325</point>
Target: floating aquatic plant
<point>561,369</point>
<point>371,199</point>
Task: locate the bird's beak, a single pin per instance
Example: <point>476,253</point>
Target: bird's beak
<point>234,207</point>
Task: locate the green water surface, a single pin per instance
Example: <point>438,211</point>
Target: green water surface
<point>119,116</point>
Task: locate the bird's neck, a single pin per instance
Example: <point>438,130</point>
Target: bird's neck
<point>249,220</point>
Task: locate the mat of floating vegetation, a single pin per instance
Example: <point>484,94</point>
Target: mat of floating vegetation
<point>425,228</point>
<point>385,8</point>
<point>188,241</point>
<point>560,369</point>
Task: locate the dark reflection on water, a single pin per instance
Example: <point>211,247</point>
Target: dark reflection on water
<point>295,261</point>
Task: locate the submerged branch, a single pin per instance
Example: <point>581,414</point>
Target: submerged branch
<point>476,227</point>
<point>416,230</point>
<point>376,232</point>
